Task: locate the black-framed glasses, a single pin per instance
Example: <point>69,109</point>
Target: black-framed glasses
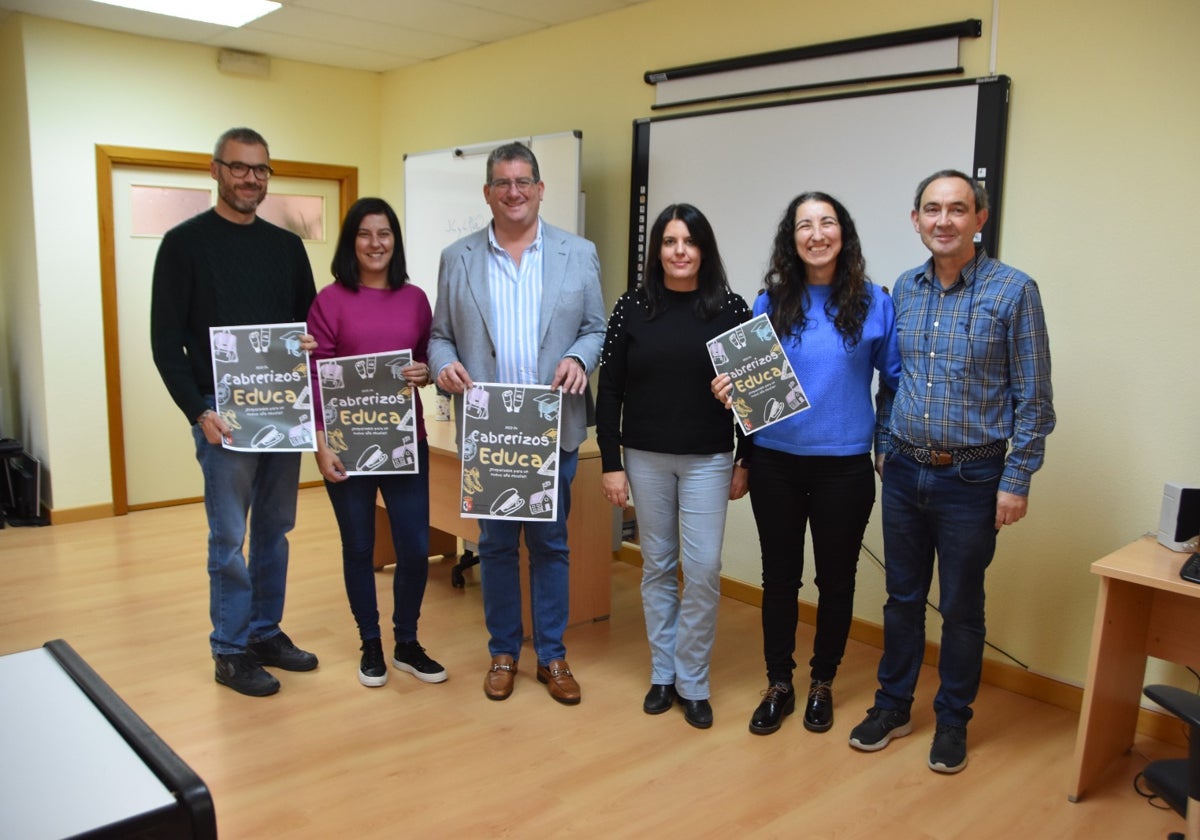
<point>238,169</point>
<point>523,185</point>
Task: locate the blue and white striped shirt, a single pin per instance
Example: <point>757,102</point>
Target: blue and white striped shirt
<point>975,364</point>
<point>516,309</point>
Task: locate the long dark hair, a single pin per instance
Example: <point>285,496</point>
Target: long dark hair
<point>712,284</point>
<point>345,259</point>
<point>787,282</point>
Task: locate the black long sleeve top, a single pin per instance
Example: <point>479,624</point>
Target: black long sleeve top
<point>653,392</point>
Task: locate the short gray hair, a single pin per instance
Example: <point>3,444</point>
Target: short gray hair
<point>241,135</point>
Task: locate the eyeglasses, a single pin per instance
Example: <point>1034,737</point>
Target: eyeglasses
<point>523,185</point>
<point>238,169</point>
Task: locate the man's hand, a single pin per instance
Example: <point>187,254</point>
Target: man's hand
<point>453,378</point>
<point>1010,508</point>
<point>570,375</point>
<point>215,429</point>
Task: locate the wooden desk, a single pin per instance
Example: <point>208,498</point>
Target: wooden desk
<point>589,526</point>
<point>1144,609</point>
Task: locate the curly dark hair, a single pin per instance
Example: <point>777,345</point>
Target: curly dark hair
<point>786,280</point>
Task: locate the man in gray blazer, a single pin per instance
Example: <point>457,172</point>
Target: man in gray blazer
<point>519,302</point>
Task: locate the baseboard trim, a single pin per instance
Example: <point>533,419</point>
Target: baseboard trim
<point>999,674</point>
<point>64,516</point>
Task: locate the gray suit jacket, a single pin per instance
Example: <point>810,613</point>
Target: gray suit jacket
<point>572,318</point>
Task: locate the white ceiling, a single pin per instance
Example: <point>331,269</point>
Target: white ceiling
<point>373,35</point>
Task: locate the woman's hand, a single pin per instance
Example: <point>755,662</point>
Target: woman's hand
<point>329,464</point>
<point>739,483</point>
<point>616,488</point>
<point>722,389</point>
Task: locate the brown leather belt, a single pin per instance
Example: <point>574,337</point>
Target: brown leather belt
<point>946,457</point>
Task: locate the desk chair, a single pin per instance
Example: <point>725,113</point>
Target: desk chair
<point>1177,780</point>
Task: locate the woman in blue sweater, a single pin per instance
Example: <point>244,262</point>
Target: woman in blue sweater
<point>814,469</point>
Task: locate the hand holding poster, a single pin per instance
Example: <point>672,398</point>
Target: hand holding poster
<point>370,412</point>
<point>263,388</point>
<point>509,448</point>
<point>765,390</point>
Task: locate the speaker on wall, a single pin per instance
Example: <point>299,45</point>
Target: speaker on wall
<point>1179,522</point>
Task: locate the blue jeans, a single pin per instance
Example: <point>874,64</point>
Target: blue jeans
<point>681,502</point>
<point>948,511</point>
<point>406,498</point>
<point>246,598</point>
<point>549,576</point>
<point>834,495</point>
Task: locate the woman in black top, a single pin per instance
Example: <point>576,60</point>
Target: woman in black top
<point>653,403</point>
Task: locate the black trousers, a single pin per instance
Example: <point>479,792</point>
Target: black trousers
<point>833,494</point>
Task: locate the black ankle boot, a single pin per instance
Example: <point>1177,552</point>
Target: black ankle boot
<point>818,713</point>
<point>779,700</point>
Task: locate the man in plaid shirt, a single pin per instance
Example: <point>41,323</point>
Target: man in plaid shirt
<point>968,430</point>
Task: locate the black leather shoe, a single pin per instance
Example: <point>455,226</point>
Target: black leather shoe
<point>697,712</point>
<point>659,699</point>
<point>779,700</point>
<point>818,714</point>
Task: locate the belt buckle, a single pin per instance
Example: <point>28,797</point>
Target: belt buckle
<point>940,458</point>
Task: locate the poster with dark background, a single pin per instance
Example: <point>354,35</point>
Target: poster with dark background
<point>509,449</point>
<point>765,390</point>
<point>263,388</point>
<point>369,411</point>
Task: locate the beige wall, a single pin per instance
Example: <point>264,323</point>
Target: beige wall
<point>20,336</point>
<point>1101,172</point>
<point>86,87</point>
<point>1100,178</point>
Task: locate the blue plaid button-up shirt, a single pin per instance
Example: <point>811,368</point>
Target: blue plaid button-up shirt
<point>975,364</point>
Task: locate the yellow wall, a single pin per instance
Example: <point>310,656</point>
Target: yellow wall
<point>87,87</point>
<point>20,341</point>
<point>1101,178</point>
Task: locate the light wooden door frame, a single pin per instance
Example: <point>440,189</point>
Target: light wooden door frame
<point>108,157</point>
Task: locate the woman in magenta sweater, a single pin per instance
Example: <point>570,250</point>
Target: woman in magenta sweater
<point>372,308</point>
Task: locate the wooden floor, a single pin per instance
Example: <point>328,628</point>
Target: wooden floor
<point>326,757</point>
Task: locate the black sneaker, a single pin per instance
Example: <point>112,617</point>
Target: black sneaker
<point>410,657</point>
<point>242,673</point>
<point>372,672</point>
<point>880,727</point>
<point>279,652</point>
<point>949,751</point>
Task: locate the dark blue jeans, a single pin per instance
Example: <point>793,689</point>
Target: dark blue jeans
<point>549,576</point>
<point>406,498</point>
<point>949,512</point>
<point>833,495</point>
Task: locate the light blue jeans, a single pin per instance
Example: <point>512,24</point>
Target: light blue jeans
<point>549,576</point>
<point>246,598</point>
<point>681,502</point>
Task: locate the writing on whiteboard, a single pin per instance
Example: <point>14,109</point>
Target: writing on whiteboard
<point>468,224</point>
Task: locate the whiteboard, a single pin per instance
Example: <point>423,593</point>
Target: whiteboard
<point>443,196</point>
<point>742,166</point>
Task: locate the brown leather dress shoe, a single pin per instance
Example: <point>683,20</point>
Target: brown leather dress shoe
<point>498,683</point>
<point>557,677</point>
